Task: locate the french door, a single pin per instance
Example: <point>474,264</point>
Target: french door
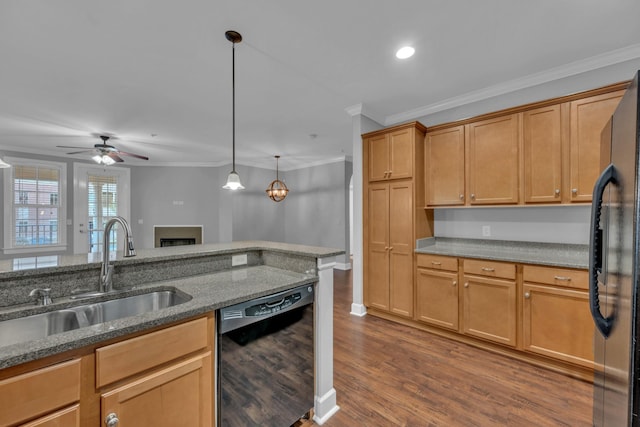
<point>100,193</point>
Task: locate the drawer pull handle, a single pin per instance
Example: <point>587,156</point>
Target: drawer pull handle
<point>563,278</point>
<point>436,263</point>
<point>490,269</point>
<point>527,295</point>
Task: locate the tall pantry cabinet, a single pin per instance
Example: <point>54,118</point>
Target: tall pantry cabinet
<point>393,215</point>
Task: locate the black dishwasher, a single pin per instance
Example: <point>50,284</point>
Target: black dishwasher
<point>266,360</point>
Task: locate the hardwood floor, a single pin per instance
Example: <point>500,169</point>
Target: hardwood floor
<point>387,374</point>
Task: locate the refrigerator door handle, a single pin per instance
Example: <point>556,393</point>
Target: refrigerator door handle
<point>603,324</point>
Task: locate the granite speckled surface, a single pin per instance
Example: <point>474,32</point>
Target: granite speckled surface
<point>203,271</point>
<point>209,292</point>
<point>551,254</point>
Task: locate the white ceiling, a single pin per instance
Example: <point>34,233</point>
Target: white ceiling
<point>73,69</point>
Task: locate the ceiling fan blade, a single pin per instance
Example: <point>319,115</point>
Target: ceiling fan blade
<point>115,157</point>
<point>80,152</point>
<point>133,155</point>
<point>69,146</point>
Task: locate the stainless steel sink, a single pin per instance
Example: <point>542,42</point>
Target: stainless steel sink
<point>38,326</point>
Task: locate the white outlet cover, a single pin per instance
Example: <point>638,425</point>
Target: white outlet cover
<point>238,260</point>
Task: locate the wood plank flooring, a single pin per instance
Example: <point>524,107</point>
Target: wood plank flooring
<point>387,374</point>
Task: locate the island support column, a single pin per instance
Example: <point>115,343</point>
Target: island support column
<point>325,395</point>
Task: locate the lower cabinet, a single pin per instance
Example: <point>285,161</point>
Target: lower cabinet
<point>437,291</point>
<point>163,378</point>
<point>556,320</point>
<point>41,394</point>
<point>489,302</point>
<point>539,313</point>
<point>179,395</point>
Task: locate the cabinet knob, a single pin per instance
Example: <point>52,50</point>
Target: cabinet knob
<point>466,284</point>
<point>557,191</point>
<point>461,196</point>
<point>473,196</point>
<point>574,191</point>
<point>455,282</point>
<point>111,420</point>
<point>527,295</point>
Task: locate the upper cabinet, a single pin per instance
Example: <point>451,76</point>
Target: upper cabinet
<point>391,155</point>
<point>542,138</point>
<point>548,152</point>
<point>589,116</point>
<point>444,167</point>
<point>493,161</point>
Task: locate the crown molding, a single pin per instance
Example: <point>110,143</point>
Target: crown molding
<point>362,110</point>
<point>577,67</point>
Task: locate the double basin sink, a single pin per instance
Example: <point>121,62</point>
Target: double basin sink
<point>39,326</point>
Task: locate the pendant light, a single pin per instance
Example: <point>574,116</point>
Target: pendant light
<point>277,190</point>
<point>233,180</point>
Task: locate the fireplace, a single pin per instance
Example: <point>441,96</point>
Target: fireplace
<point>176,235</point>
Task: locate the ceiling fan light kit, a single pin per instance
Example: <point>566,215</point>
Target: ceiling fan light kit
<point>233,180</point>
<point>277,190</point>
<point>105,154</point>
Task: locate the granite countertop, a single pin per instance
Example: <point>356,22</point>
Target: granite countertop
<point>21,267</point>
<point>209,291</point>
<point>551,254</point>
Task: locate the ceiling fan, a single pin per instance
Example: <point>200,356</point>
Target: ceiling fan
<point>105,154</point>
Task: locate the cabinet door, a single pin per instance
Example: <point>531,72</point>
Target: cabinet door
<point>377,281</point>
<point>437,298</point>
<point>179,395</point>
<point>444,167</point>
<point>378,157</point>
<point>542,134</point>
<point>401,244</point>
<point>68,417</point>
<point>401,154</point>
<point>557,323</point>
<point>493,161</point>
<point>589,117</point>
<point>489,309</point>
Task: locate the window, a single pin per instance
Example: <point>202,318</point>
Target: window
<point>34,192</point>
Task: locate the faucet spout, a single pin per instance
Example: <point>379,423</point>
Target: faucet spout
<point>106,272</point>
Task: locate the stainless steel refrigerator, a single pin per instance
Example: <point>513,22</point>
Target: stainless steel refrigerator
<point>614,270</point>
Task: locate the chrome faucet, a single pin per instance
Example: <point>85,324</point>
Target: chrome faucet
<point>106,272</point>
<point>42,296</point>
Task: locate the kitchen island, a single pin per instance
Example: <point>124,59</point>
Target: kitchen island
<point>214,276</point>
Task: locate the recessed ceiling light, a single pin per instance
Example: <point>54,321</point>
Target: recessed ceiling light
<point>405,52</point>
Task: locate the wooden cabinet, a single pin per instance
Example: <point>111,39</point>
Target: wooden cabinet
<point>444,167</point>
<point>180,394</point>
<point>542,134</point>
<point>391,155</point>
<point>493,159</point>
<point>589,116</point>
<point>390,252</point>
<point>393,216</point>
<point>68,417</point>
<point>154,384</point>
<point>489,301</point>
<point>437,291</point>
<point>556,318</point>
<point>41,394</point>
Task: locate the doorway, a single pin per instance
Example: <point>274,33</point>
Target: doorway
<point>99,194</point>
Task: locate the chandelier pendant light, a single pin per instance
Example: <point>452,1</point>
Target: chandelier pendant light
<point>233,180</point>
<point>277,190</point>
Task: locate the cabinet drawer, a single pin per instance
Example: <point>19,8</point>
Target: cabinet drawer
<point>437,262</point>
<point>68,417</point>
<point>566,277</point>
<point>39,392</point>
<point>117,361</point>
<point>490,268</point>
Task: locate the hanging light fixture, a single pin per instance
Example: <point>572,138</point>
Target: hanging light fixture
<point>233,180</point>
<point>277,190</point>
